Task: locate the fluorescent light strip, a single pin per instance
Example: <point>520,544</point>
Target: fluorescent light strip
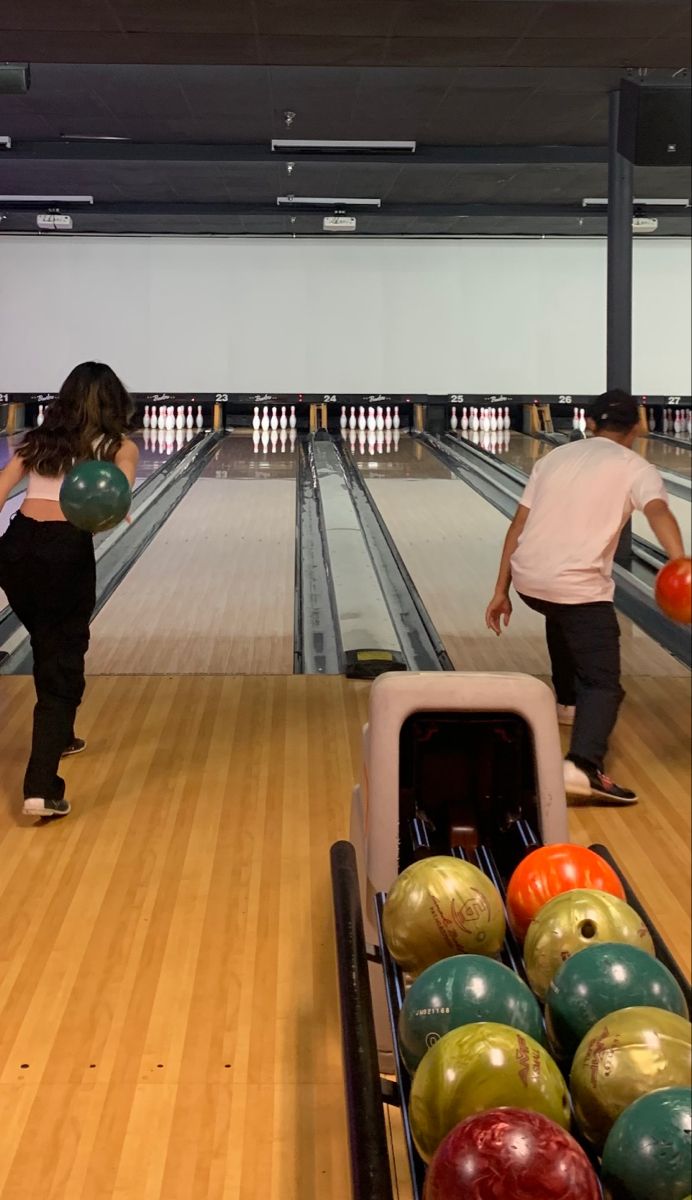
<point>676,203</point>
<point>329,201</point>
<point>318,144</point>
<point>46,199</point>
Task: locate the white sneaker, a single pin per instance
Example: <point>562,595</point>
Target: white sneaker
<point>565,714</point>
<point>595,784</point>
<point>576,781</point>
<point>36,806</point>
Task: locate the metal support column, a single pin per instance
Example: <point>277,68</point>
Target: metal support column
<point>619,319</point>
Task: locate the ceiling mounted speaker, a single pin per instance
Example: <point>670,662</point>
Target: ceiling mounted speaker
<point>654,125</point>
<point>14,78</point>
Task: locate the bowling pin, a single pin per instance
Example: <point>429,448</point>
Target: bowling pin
<point>689,420</point>
<point>180,417</point>
<point>256,418</point>
<point>199,419</point>
<point>274,423</point>
<point>147,419</point>
<point>652,420</point>
<point>283,419</point>
<point>264,423</point>
<point>170,419</point>
<point>379,420</point>
<point>395,419</point>
<point>582,420</point>
<point>372,423</point>
<point>388,418</point>
<point>343,419</point>
<point>292,418</point>
<point>493,421</point>
<point>508,419</point>
<point>189,420</point>
<point>464,419</point>
<point>453,421</point>
<point>352,418</point>
<point>361,419</point>
<point>676,422</point>
<point>575,419</point>
<point>39,417</point>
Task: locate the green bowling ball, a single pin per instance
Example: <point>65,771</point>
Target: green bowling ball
<point>459,991</point>
<point>624,1056</point>
<point>604,979</point>
<point>95,496</point>
<point>479,1067</point>
<point>648,1154</point>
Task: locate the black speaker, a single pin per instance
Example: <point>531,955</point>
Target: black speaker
<point>654,126</point>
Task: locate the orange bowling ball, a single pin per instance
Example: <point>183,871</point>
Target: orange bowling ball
<point>674,590</point>
<point>551,870</point>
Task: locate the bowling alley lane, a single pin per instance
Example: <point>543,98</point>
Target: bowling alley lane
<point>214,591</point>
<point>665,455</point>
<point>450,539</point>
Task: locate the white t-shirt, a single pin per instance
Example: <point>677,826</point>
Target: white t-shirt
<point>580,496</point>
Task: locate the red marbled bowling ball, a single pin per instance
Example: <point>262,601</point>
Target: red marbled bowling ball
<point>510,1154</point>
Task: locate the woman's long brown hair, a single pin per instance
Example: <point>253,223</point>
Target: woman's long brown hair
<point>88,419</point>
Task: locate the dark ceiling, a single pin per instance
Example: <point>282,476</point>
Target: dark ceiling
<point>198,90</point>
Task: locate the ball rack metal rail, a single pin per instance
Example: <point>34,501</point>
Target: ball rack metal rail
<point>366,1090</point>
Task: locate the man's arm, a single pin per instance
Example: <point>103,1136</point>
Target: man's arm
<point>665,527</point>
<point>10,477</point>
<point>499,610</point>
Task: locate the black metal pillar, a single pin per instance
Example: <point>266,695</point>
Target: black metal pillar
<point>619,302</point>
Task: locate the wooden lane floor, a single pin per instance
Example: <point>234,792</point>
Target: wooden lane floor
<point>666,456</point>
<point>214,592</point>
<point>169,1025</point>
<point>450,539</point>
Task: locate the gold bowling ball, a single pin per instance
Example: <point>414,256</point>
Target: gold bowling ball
<point>439,907</point>
<point>572,921</point>
<point>627,1055</point>
<point>478,1067</point>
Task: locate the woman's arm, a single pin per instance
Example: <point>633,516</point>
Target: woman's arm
<point>10,476</point>
<point>127,459</point>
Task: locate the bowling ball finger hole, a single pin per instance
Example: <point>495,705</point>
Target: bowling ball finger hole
<point>588,930</point>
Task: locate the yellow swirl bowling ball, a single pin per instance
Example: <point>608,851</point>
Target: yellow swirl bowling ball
<point>439,907</point>
<point>478,1067</point>
<point>627,1055</point>
<point>572,921</point>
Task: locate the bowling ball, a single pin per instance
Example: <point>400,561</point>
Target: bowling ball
<point>673,589</point>
<point>571,922</point>
<point>551,870</point>
<point>604,979</point>
<point>648,1154</point>
<point>624,1056</point>
<point>441,906</point>
<point>462,991</point>
<point>510,1154</point>
<point>95,496</point>
<point>479,1067</point>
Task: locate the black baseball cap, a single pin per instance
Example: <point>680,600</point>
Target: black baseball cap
<point>615,408</point>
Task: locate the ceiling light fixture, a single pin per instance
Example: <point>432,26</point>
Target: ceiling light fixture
<point>592,201</point>
<point>47,199</point>
<point>328,202</point>
<point>316,145</point>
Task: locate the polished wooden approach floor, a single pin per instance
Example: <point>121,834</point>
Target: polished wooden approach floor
<point>169,1024</point>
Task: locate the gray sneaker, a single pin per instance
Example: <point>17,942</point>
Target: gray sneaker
<point>76,746</point>
<point>34,806</point>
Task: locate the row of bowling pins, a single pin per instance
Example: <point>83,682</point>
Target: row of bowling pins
<point>168,439</point>
<point>168,417</point>
<point>377,419</point>
<point>579,419</point>
<point>675,420</point>
<point>477,419</point>
<point>274,440</point>
<point>376,441</point>
<point>273,422</point>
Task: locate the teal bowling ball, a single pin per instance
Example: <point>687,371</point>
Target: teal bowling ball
<point>600,980</point>
<point>464,990</point>
<point>648,1153</point>
<point>95,496</point>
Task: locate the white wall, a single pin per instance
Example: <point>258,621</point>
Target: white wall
<point>186,314</point>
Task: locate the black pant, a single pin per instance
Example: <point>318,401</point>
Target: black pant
<point>584,647</point>
<point>48,571</point>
